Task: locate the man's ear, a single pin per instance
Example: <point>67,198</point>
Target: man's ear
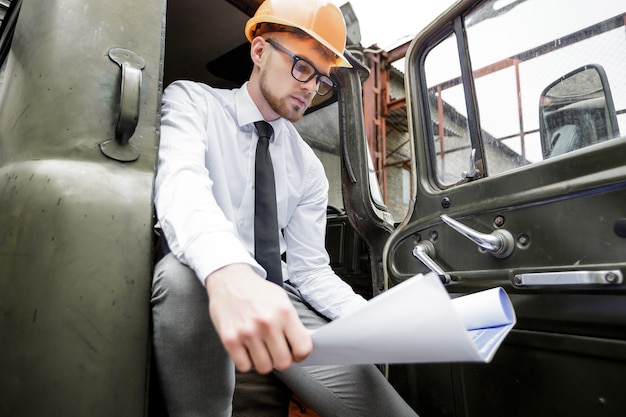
<point>257,48</point>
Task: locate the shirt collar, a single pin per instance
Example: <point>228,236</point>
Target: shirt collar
<point>248,113</point>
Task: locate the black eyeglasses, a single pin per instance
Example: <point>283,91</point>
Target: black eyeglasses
<point>303,71</point>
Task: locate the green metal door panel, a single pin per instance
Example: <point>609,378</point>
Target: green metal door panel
<point>562,216</point>
<point>76,225</point>
<point>544,380</point>
<point>74,299</point>
<point>554,199</point>
<point>533,374</point>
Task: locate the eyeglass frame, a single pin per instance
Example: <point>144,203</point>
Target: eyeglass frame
<point>320,76</point>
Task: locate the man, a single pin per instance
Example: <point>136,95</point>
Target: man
<point>205,201</point>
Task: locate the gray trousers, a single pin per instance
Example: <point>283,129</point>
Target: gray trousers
<point>198,377</point>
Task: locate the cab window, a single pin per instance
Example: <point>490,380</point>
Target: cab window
<point>523,108</point>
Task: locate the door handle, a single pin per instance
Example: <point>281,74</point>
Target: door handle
<point>424,251</point>
<point>499,243</point>
<point>131,65</point>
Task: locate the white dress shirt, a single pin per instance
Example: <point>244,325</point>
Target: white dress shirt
<point>204,192</point>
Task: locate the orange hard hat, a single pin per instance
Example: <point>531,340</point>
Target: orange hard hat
<point>320,19</point>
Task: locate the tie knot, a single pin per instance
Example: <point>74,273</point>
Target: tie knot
<point>264,129</point>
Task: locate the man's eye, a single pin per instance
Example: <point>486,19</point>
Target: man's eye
<point>302,67</point>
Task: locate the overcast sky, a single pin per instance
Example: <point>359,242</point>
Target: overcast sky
<point>392,22</point>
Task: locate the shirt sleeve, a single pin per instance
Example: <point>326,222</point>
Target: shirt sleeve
<point>308,262</point>
<point>197,231</point>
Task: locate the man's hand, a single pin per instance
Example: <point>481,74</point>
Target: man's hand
<point>256,322</point>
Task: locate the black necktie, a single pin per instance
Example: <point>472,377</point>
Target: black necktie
<point>266,245</point>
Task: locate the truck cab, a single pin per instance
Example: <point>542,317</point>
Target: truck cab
<point>515,120</point>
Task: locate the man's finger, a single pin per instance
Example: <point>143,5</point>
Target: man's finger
<point>239,355</point>
<point>279,350</point>
<point>260,356</point>
<point>299,339</point>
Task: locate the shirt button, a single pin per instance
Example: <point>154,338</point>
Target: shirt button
<point>242,223</point>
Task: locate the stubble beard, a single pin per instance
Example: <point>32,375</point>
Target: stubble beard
<point>292,113</point>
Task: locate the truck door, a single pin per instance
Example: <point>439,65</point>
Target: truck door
<point>518,116</point>
<point>79,106</point>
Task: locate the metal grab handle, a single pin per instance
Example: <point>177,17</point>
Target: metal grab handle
<point>131,65</point>
<point>499,243</point>
<point>423,251</point>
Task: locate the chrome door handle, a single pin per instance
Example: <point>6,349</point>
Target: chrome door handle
<point>499,243</point>
<point>424,252</point>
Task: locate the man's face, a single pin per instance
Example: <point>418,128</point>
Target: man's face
<point>287,96</point>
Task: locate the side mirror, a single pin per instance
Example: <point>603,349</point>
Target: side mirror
<point>576,111</point>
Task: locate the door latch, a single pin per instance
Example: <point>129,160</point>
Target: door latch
<point>473,172</point>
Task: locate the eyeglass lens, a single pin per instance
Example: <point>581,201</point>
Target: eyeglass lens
<point>303,71</point>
